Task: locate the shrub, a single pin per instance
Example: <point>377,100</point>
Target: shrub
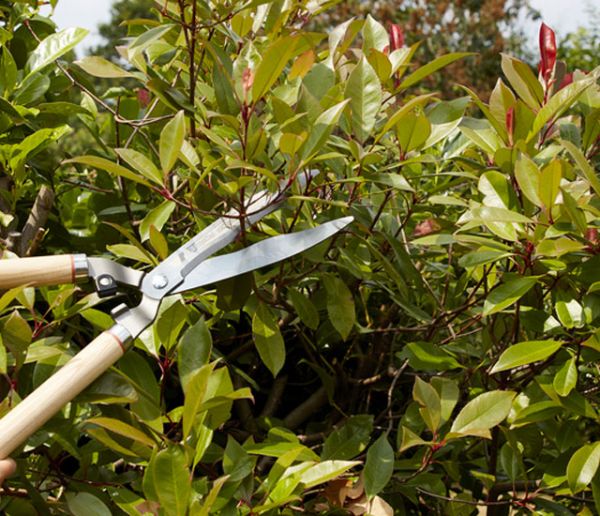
<point>436,357</point>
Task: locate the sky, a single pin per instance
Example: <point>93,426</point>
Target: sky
<point>89,13</point>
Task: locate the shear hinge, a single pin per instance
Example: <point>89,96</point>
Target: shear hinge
<point>105,285</point>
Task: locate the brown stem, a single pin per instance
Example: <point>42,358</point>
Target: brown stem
<point>36,220</point>
<point>275,396</point>
<point>305,410</point>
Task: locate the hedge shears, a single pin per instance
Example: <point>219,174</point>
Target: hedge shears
<point>188,268</point>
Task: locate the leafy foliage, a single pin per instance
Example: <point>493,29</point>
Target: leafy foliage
<point>437,356</point>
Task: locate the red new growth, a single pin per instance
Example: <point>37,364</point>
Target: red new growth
<point>547,52</point>
<point>143,96</point>
<point>567,79</point>
<point>247,80</point>
<point>510,124</point>
<point>396,36</point>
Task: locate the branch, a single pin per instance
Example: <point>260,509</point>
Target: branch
<point>305,410</point>
<point>30,235</point>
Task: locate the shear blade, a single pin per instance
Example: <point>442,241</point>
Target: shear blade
<point>261,254</point>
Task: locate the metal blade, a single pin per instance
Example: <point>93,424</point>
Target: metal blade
<point>261,254</point>
<point>170,273</point>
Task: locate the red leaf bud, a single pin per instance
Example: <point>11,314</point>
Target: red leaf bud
<point>567,79</point>
<point>396,36</point>
<point>247,80</point>
<point>547,51</point>
<point>510,123</point>
<point>143,96</point>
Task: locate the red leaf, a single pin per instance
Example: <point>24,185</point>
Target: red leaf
<point>426,227</point>
<point>567,79</point>
<point>396,36</point>
<point>510,123</point>
<point>591,236</point>
<point>247,80</point>
<point>547,51</point>
<point>143,97</point>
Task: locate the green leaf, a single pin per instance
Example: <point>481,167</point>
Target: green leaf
<point>171,141</point>
<point>131,252</point>
<point>583,164</point>
<point>510,461</point>
<point>193,351</point>
<point>141,164</point>
<point>158,242</point>
<point>349,440</point>
<point>433,66</point>
<point>364,91</point>
<point>555,248</point>
<point>268,339</point>
<point>525,353</point>
<point>557,104</point>
<point>570,313</point>
<point>596,492</point>
<point>158,217</point>
<point>574,212</point>
<point>194,396</point>
<point>379,466</point>
<point>340,305</point>
<point>110,167</point>
<point>498,192</point>
<point>204,437</point>
<point>272,64</point>
<point>8,67</point>
<point>140,375</point>
<point>305,309</point>
<point>322,128</point>
<point>566,378</point>
<point>236,461</point>
<point>35,143</point>
<point>499,124</point>
<point>170,478</point>
<point>54,46</point>
<point>281,448</point>
<point>482,134</point>
<point>426,356</point>
<point>171,319</point>
<point>525,84</point>
<point>529,178</point>
<point>325,471</point>
<point>550,184</point>
<point>583,466</point>
<point>409,439</point>
<point>407,108</point>
<point>448,392</point>
<point>374,36</point>
<point>86,504</point>
<point>121,428</point>
<point>540,411</point>
<point>100,67</point>
<point>413,130</point>
<point>211,498</point>
<point>482,413</point>
<point>16,336</point>
<point>507,294</point>
<point>144,40</point>
<point>493,214</point>
<point>429,400</point>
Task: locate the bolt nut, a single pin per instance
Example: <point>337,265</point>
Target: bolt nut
<point>160,281</point>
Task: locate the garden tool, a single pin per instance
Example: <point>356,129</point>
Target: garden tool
<point>188,268</point>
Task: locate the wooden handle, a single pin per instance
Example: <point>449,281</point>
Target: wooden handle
<point>38,271</point>
<point>29,415</point>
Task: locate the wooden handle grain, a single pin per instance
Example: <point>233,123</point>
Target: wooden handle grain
<point>29,415</point>
<point>38,271</point>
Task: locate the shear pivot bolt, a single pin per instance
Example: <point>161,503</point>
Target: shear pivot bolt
<point>160,281</point>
